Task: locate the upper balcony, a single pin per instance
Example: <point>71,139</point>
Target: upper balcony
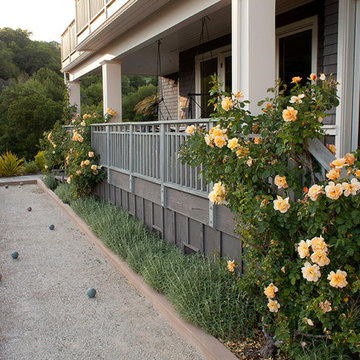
<point>90,15</point>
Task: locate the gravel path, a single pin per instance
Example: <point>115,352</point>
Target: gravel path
<point>44,310</point>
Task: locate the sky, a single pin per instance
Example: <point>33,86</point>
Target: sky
<point>46,19</point>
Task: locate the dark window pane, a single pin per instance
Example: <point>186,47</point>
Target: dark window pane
<point>295,56</point>
<point>208,68</point>
<point>228,79</point>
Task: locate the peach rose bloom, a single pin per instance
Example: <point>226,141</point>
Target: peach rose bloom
<point>351,188</point>
<point>297,99</point>
<point>315,191</point>
<point>325,306</point>
<point>227,103</point>
<point>338,163</point>
<point>322,77</point>
<point>333,191</point>
<point>91,154</point>
<point>270,291</point>
<point>208,140</point>
<point>309,322</point>
<point>318,244</point>
<point>338,279</point>
<point>239,95</point>
<point>289,114</point>
<point>190,129</point>
<point>303,248</point>
<point>357,173</point>
<point>233,143</point>
<point>311,272</point>
<point>319,257</point>
<point>281,204</point>
<point>280,182</point>
<point>296,79</point>
<point>257,140</point>
<point>231,265</point>
<point>86,162</point>
<point>273,305</point>
<point>249,162</point>
<point>333,174</point>
<point>349,158</point>
<point>93,167</point>
<point>332,148</point>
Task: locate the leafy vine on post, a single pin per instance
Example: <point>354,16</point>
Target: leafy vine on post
<point>301,232</point>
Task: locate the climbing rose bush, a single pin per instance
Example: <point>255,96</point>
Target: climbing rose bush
<point>70,149</point>
<point>300,229</point>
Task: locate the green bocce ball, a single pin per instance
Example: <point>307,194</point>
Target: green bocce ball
<point>91,293</point>
<point>6,186</point>
<point>15,255</point>
<point>51,227</point>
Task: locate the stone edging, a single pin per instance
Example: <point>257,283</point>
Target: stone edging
<point>211,348</point>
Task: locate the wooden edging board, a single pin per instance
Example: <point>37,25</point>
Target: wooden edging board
<point>211,348</point>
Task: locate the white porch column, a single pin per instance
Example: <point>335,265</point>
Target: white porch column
<point>253,48</point>
<point>74,95</point>
<point>347,113</point>
<point>111,74</point>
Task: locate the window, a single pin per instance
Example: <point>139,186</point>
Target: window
<point>297,49</point>
<point>214,62</point>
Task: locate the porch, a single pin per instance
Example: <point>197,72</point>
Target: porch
<point>146,178</point>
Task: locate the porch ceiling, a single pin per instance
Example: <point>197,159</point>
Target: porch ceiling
<point>180,38</point>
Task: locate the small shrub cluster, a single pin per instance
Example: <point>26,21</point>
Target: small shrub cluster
<point>63,191</point>
<point>10,165</point>
<point>50,181</point>
<point>202,290</point>
<point>30,167</point>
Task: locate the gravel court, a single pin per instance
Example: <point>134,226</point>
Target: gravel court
<point>44,310</point>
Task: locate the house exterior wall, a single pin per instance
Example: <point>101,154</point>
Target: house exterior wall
<point>169,107</point>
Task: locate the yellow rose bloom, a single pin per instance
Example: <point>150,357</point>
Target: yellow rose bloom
<point>233,143</point>
<point>311,272</point>
<point>270,291</point>
<point>220,141</point>
<point>190,129</point>
<point>312,76</point>
<point>281,204</point>
<point>86,162</point>
<point>68,180</point>
<point>91,154</point>
<point>333,191</point>
<point>231,265</point>
<point>83,123</point>
<point>217,195</point>
<point>303,248</point>
<point>239,95</point>
<point>93,167</point>
<point>325,306</point>
<point>296,79</point>
<point>280,182</point>
<point>289,114</point>
<point>297,99</point>
<point>249,162</point>
<point>338,279</point>
<point>318,244</point>
<point>257,140</point>
<point>333,174</point>
<point>315,191</point>
<point>357,173</point>
<point>227,103</point>
<point>273,306</point>
<point>319,257</point>
<point>322,77</point>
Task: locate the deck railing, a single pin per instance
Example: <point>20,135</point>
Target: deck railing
<point>150,150</point>
<point>68,41</point>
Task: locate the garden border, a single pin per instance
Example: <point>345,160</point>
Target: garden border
<point>210,347</point>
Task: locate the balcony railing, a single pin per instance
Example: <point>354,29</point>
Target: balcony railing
<point>68,41</point>
<point>150,150</point>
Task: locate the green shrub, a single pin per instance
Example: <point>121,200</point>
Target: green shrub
<point>63,191</point>
<point>10,165</point>
<point>202,290</point>
<point>51,182</point>
<point>30,168</point>
<point>40,161</point>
